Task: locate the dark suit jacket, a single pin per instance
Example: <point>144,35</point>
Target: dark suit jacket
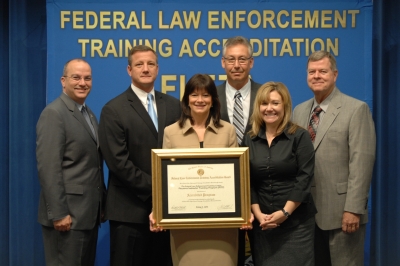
<point>222,98</point>
<point>127,135</point>
<point>344,158</point>
<point>70,166</point>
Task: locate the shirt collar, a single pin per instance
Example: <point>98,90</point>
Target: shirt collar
<point>187,126</point>
<point>244,91</point>
<point>79,106</point>
<point>141,94</point>
<point>325,103</point>
<point>261,133</point>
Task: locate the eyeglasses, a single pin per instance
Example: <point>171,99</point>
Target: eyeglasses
<point>78,78</point>
<point>232,61</point>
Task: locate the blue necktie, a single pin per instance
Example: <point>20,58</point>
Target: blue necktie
<point>151,111</point>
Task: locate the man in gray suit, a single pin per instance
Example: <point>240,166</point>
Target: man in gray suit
<point>237,61</point>
<point>343,134</point>
<point>70,172</point>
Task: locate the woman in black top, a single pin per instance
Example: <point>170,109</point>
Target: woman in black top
<point>281,171</point>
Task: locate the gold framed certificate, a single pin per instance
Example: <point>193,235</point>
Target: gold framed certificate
<point>201,188</point>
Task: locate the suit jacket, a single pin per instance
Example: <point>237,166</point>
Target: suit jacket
<point>70,166</point>
<point>344,158</point>
<point>224,109</point>
<point>186,137</point>
<point>127,135</point>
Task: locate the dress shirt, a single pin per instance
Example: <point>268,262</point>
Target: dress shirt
<point>282,172</point>
<point>142,95</point>
<point>324,106</point>
<point>230,101</point>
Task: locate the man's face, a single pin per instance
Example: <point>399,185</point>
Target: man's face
<point>237,64</point>
<point>321,78</point>
<point>144,70</point>
<point>77,81</point>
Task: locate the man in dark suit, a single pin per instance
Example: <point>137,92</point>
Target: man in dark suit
<point>343,135</point>
<point>127,134</point>
<point>237,61</point>
<point>70,172</point>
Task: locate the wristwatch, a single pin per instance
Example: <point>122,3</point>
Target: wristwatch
<point>285,213</point>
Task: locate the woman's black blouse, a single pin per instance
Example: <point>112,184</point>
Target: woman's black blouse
<point>282,172</point>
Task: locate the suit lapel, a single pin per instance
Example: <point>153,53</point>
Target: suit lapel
<point>77,114</point>
<point>141,111</point>
<point>162,116</point>
<point>253,92</point>
<point>304,117</point>
<point>329,118</point>
<point>222,100</point>
<point>94,123</point>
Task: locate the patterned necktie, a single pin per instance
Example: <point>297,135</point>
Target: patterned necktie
<point>151,111</point>
<point>238,118</point>
<point>314,121</point>
<point>86,116</point>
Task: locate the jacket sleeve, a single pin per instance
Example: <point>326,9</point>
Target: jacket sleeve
<point>50,144</point>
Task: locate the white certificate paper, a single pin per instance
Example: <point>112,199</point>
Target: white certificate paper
<point>201,188</point>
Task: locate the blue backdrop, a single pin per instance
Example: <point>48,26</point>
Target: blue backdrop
<point>26,56</point>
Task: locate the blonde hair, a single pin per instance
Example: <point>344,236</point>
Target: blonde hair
<point>262,95</point>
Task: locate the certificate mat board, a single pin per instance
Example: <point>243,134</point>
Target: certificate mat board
<point>201,188</point>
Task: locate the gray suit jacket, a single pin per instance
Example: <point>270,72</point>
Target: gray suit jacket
<point>222,98</point>
<point>70,166</point>
<point>344,158</point>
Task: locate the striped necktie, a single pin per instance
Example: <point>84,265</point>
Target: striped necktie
<point>238,118</point>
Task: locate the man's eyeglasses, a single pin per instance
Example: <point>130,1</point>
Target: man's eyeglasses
<point>78,78</point>
<point>241,60</point>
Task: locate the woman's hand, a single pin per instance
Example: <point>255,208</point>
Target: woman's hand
<point>153,226</point>
<point>249,225</point>
<point>273,220</point>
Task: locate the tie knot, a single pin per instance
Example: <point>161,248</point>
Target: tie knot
<point>150,97</point>
<point>238,95</point>
<point>317,110</point>
<point>83,109</point>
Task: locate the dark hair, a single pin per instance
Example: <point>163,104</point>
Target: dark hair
<point>140,48</point>
<point>201,81</point>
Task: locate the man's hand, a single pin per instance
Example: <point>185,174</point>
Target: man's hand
<point>64,224</point>
<point>350,222</point>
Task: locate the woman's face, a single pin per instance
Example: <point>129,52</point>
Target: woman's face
<point>200,102</point>
<point>272,110</point>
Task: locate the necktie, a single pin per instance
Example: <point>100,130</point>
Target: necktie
<point>238,118</point>
<point>86,116</point>
<point>151,111</point>
<point>314,121</point>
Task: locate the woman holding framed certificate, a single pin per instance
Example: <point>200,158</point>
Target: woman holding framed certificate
<point>281,171</point>
<point>200,127</point>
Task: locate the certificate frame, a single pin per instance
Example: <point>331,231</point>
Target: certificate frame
<point>200,160</point>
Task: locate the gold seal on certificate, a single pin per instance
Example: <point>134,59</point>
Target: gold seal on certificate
<point>198,188</point>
